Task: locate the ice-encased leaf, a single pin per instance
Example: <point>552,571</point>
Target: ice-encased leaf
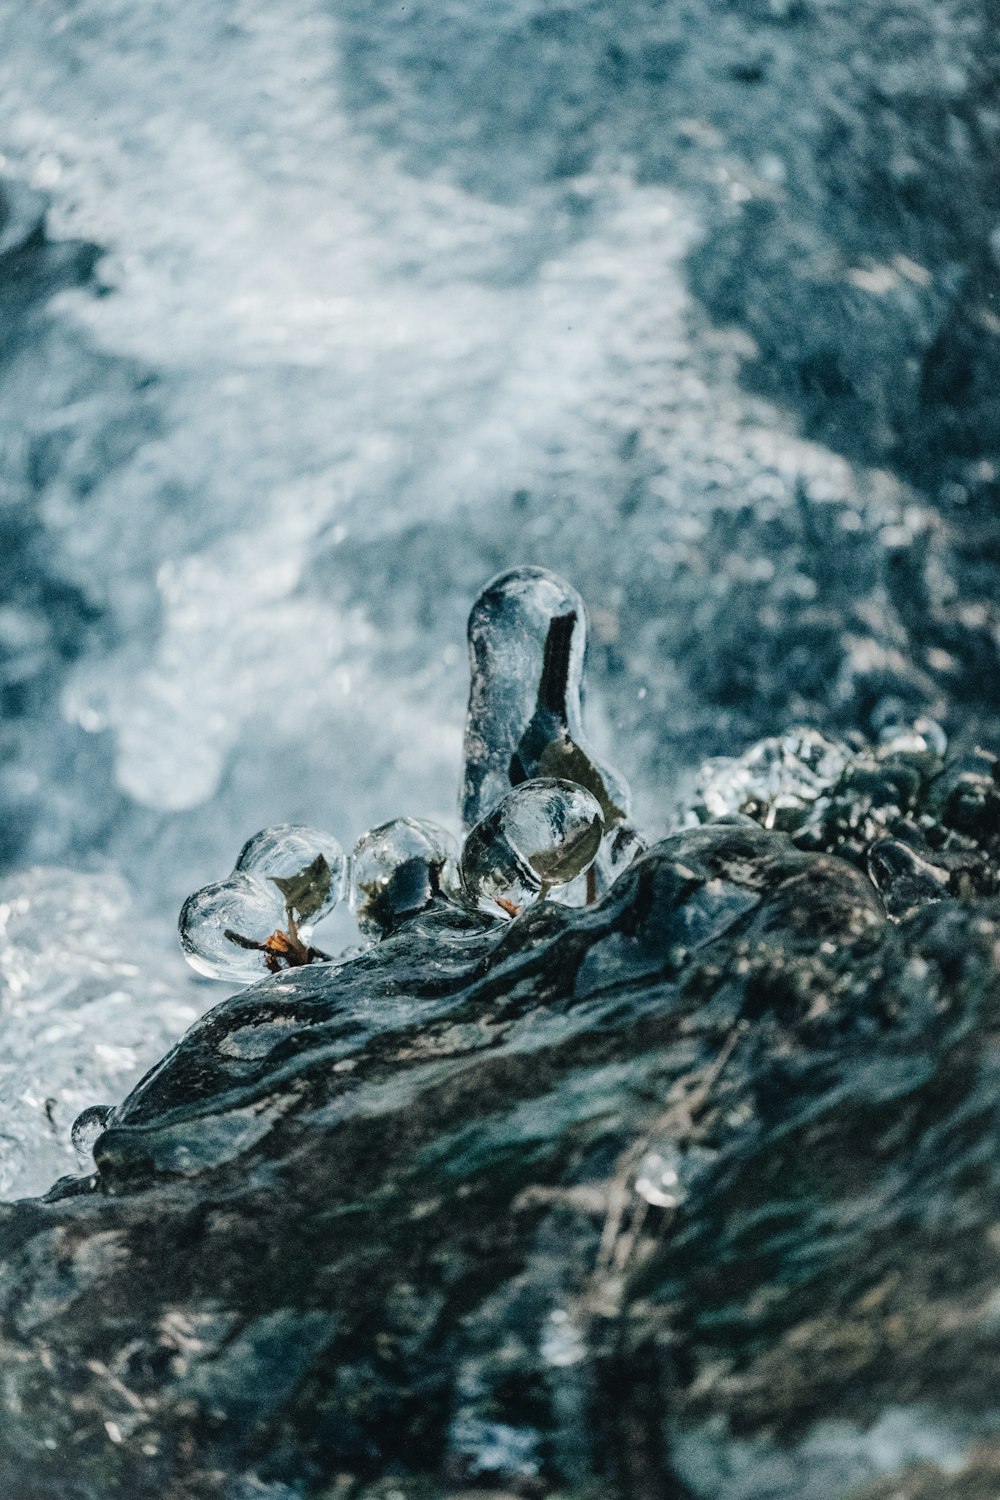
<point>527,638</point>
<point>221,926</point>
<point>307,865</point>
<point>397,870</point>
<point>307,893</point>
<point>544,833</point>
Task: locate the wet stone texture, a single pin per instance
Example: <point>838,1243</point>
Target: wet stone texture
<point>689,1193</point>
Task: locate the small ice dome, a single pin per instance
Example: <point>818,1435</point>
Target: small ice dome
<point>903,878</point>
<point>88,1126</point>
<point>666,1171</point>
<point>399,869</point>
<point>306,865</point>
<point>923,738</point>
<point>214,919</point>
<point>544,833</point>
<point>658,1180</point>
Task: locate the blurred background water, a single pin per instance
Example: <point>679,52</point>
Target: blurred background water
<point>313,316</point>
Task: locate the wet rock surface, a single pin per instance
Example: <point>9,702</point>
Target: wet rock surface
<point>691,1192</point>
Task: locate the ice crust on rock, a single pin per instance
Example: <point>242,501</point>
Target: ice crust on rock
<point>776,780</point>
<point>562,1112</point>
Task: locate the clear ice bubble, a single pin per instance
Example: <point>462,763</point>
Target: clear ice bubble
<point>307,866</point>
<point>220,924</point>
<point>88,1126</point>
<point>666,1172</point>
<point>658,1179</point>
<point>544,833</point>
<point>399,869</point>
<point>527,638</point>
<point>777,780</point>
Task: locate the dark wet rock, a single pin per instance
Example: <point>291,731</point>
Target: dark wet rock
<point>682,1194</point>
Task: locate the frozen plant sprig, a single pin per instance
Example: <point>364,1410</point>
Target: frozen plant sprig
<point>259,920</point>
<point>545,816</point>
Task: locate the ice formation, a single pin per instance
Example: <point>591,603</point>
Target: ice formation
<point>536,831</point>
<point>399,869</point>
<point>261,917</point>
<point>543,834</point>
<point>527,640</point>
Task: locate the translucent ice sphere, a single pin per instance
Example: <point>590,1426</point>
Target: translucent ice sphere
<point>544,833</point>
<point>397,870</point>
<point>219,924</point>
<point>307,866</point>
<point>88,1126</point>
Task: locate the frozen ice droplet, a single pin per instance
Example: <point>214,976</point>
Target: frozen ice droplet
<point>219,925</point>
<point>924,740</point>
<point>544,833</point>
<point>666,1172</point>
<point>306,865</point>
<point>658,1179</point>
<point>397,870</point>
<point>527,637</point>
<point>903,878</point>
<point>88,1126</point>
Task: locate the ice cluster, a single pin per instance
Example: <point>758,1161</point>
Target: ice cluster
<point>261,917</point>
<point>545,815</point>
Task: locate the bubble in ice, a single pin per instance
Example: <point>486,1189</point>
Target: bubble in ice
<point>667,1170</point>
<point>399,869</point>
<point>776,781</point>
<point>544,833</point>
<point>88,1126</point>
<point>306,865</point>
<point>527,639</point>
<point>224,928</point>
